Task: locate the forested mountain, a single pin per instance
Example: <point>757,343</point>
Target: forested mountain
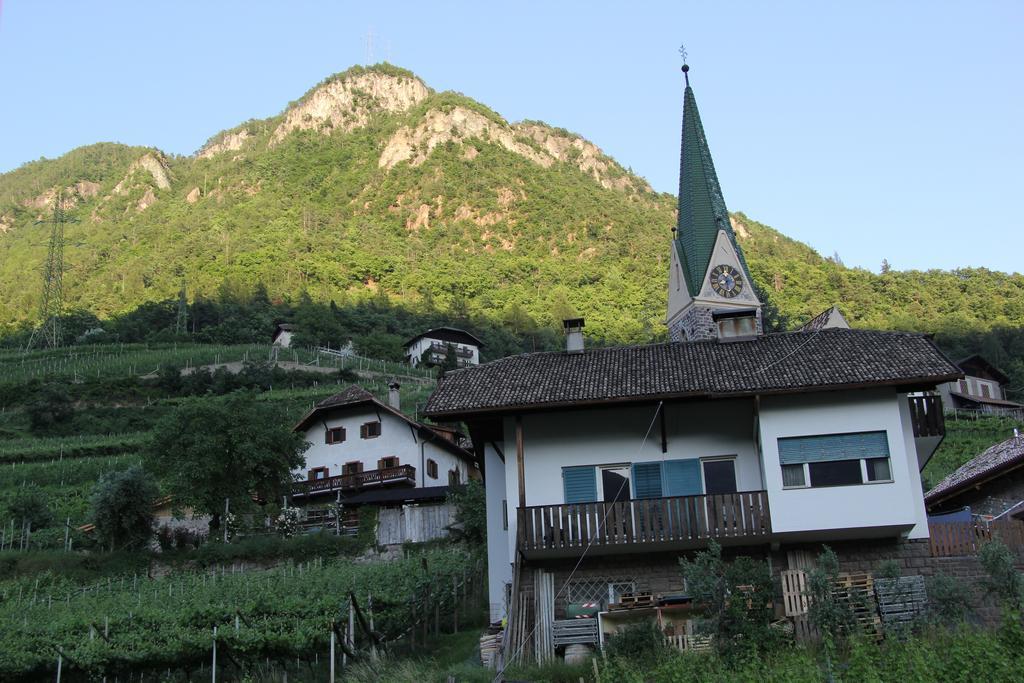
<point>374,187</point>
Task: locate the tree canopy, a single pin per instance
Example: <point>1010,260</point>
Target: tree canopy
<point>233,447</point>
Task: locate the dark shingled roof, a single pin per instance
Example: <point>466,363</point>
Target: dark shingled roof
<point>356,395</point>
<point>988,464</point>
<point>353,394</point>
<point>397,495</point>
<point>780,363</point>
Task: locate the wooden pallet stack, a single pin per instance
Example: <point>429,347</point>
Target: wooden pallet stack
<point>575,632</point>
<point>902,600</point>
<point>857,592</point>
<point>637,600</point>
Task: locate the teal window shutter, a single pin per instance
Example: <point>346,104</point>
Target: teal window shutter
<point>682,477</point>
<point>832,447</point>
<point>580,484</point>
<point>647,480</point>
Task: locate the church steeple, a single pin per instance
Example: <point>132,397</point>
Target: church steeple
<point>707,260</point>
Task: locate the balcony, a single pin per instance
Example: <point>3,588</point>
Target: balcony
<point>350,483</point>
<point>442,350</point>
<point>926,416</point>
<point>677,523</point>
<point>929,426</point>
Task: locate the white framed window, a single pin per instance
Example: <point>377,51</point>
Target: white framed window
<point>835,460</point>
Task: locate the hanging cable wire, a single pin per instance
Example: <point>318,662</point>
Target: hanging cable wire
<point>583,555</point>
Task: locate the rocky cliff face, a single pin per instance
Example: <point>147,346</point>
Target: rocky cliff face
<point>347,103</point>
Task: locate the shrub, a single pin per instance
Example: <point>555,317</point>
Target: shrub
<point>50,409</point>
<point>29,505</point>
<point>947,600</point>
<point>122,508</point>
<point>1004,581</point>
<point>641,641</point>
<point>735,597</point>
<point>471,510</point>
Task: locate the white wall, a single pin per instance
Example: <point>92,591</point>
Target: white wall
<point>602,436</point>
<point>283,339</point>
<point>397,438</point>
<point>856,507</point>
<point>499,567</point>
<point>415,350</point>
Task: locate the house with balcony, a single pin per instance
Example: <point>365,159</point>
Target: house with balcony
<point>603,466</point>
<point>982,389</point>
<point>366,452</point>
<point>434,346</point>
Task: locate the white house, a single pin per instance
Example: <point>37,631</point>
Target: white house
<point>602,466</point>
<point>283,335</point>
<point>982,389</point>
<point>437,343</point>
<point>363,451</point>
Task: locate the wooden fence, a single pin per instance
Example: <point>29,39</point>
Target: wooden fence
<point>414,523</point>
<point>953,539</point>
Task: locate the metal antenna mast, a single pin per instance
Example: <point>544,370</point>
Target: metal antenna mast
<point>51,308</point>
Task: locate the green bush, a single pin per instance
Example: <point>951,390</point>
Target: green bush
<point>642,641</point>
<point>948,603</point>
<point>122,508</point>
<point>50,409</point>
<point>470,503</point>
<point>1003,581</point>
<point>29,505</point>
<point>734,596</point>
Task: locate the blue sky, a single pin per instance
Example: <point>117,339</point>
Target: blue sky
<point>872,129</point>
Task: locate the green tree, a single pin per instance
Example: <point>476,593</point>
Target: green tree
<point>50,409</point>
<point>122,508</point>
<point>471,510</point>
<point>30,505</point>
<point>735,596</point>
<point>232,447</point>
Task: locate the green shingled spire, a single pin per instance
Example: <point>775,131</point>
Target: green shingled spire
<point>702,211</point>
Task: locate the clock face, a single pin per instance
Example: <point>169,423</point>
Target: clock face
<point>726,281</point>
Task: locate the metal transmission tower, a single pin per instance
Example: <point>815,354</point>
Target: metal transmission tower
<point>51,308</point>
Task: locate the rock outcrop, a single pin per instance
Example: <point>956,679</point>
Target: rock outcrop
<point>152,164</point>
<point>348,102</point>
<point>538,143</point>
<point>228,143</point>
<point>414,144</point>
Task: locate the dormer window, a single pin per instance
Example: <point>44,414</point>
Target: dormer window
<point>736,325</point>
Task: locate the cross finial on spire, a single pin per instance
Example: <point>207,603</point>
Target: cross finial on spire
<point>686,67</point>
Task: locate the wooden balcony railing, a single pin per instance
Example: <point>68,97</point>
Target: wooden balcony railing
<point>926,416</point>
<point>681,520</point>
<point>442,349</point>
<point>403,474</point>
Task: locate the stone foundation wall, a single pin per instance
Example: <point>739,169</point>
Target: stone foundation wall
<point>660,572</point>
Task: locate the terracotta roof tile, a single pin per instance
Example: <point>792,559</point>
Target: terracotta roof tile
<point>771,364</point>
<point>982,466</point>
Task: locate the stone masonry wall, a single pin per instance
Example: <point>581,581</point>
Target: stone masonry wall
<point>993,498</point>
<point>660,572</point>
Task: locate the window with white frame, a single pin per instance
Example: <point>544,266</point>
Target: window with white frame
<point>835,460</point>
